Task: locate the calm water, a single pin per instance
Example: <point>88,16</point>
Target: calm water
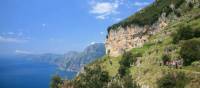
<point>18,73</point>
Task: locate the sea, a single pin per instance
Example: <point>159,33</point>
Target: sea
<point>22,73</point>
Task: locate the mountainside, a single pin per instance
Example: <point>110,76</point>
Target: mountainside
<point>134,31</point>
<point>70,61</point>
<point>74,61</point>
<point>157,47</point>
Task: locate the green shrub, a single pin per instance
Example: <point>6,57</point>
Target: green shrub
<point>190,51</point>
<point>167,82</point>
<point>93,77</point>
<point>186,33</point>
<point>183,33</point>
<point>114,84</point>
<point>128,82</point>
<point>127,59</point>
<point>125,63</point>
<point>56,81</point>
<point>122,71</point>
<point>196,64</point>
<point>173,80</point>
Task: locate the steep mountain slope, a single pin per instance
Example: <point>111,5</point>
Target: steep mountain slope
<point>134,31</point>
<point>74,61</point>
<point>158,47</point>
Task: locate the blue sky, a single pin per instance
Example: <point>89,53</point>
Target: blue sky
<point>58,26</point>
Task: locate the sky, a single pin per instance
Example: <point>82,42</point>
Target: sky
<point>59,26</point>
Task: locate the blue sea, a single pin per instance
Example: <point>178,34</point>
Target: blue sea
<point>21,73</point>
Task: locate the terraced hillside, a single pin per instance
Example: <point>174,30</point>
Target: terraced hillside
<point>169,59</point>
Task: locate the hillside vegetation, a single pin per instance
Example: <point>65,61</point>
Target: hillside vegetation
<point>152,66</point>
<point>151,13</point>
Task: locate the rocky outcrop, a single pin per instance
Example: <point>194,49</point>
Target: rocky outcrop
<point>125,38</point>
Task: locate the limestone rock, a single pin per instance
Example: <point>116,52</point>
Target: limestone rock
<point>125,38</point>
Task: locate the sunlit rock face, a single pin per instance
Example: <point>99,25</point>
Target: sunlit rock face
<point>125,38</point>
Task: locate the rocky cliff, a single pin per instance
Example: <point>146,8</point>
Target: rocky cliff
<point>124,39</point>
<point>134,31</point>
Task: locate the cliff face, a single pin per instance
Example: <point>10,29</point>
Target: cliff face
<point>126,35</point>
<point>125,38</point>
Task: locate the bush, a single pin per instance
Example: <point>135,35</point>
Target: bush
<point>183,33</point>
<point>127,59</point>
<point>125,63</point>
<point>128,82</point>
<point>167,81</point>
<point>186,33</point>
<point>122,71</point>
<point>114,84</point>
<point>196,64</point>
<point>173,80</point>
<point>93,77</point>
<point>125,82</point>
<point>56,82</point>
<point>190,51</point>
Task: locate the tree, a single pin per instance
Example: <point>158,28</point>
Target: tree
<point>125,63</point>
<point>183,33</point>
<point>190,51</point>
<point>122,71</point>
<point>92,77</point>
<point>127,59</point>
<point>173,80</point>
<point>168,81</point>
<point>186,33</point>
<point>128,82</point>
<point>56,82</point>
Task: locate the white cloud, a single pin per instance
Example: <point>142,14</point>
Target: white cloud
<point>11,40</point>
<point>101,17</point>
<point>102,33</point>
<point>22,52</point>
<point>104,9</point>
<point>140,3</point>
<point>92,43</point>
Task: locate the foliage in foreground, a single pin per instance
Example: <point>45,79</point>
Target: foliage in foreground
<point>93,77</point>
<point>173,80</point>
<point>186,33</point>
<point>56,82</point>
<point>190,51</point>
